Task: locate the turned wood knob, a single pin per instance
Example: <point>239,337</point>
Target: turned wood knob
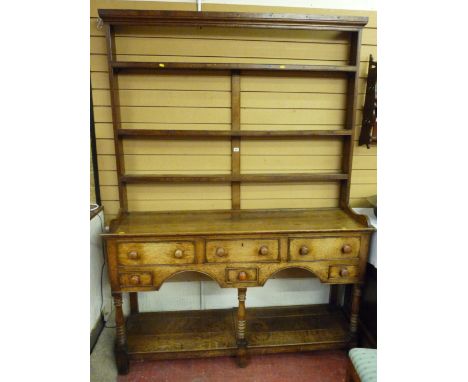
<point>221,252</point>
<point>304,250</point>
<point>263,250</point>
<point>135,279</point>
<point>133,255</point>
<point>178,253</point>
<point>346,248</point>
<point>344,272</point>
<point>242,276</point>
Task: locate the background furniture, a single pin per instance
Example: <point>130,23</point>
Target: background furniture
<point>362,366</point>
<point>237,248</point>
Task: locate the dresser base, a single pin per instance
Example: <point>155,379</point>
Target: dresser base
<point>209,333</point>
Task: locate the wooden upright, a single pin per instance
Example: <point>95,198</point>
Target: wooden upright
<point>237,248</point>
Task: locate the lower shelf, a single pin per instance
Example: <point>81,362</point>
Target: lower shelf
<point>191,334</point>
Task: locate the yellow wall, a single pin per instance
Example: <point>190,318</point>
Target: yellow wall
<point>195,101</point>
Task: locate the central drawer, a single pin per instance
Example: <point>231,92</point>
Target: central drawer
<point>242,250</point>
<point>154,253</point>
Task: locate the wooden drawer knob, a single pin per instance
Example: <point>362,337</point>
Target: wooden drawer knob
<point>135,279</point>
<point>221,252</point>
<point>346,248</point>
<point>303,250</point>
<point>242,276</point>
<point>344,272</point>
<point>263,250</point>
<point>178,253</point>
<point>133,255</point>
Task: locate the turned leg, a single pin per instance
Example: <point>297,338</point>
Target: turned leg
<point>354,317</point>
<point>241,326</point>
<point>133,302</point>
<point>120,350</point>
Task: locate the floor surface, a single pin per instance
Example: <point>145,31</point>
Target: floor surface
<point>318,366</point>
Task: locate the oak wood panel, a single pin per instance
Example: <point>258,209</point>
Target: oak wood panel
<point>335,272</point>
<point>273,203</point>
<point>369,34</point>
<point>112,207</point>
<point>109,177</point>
<point>102,4</point>
<point>225,48</point>
<point>181,332</point>
<point>235,33</point>
<point>244,250</point>
<point>198,333</point>
<point>135,279</point>
<point>233,19</point>
<point>289,326</point>
<point>371,15</point>
<point>323,248</point>
<point>233,222</point>
<point>179,205</point>
<point>98,61</point>
<point>222,191</point>
<point>222,115</point>
<point>164,252</point>
<point>242,276</point>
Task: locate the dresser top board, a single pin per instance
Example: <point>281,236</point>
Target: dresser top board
<point>236,222</point>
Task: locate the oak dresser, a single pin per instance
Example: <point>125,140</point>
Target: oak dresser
<point>237,248</point>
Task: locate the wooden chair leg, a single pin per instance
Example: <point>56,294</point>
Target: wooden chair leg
<point>120,351</point>
<point>242,359</point>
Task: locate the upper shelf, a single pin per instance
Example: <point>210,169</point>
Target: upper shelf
<point>160,66</point>
<point>231,19</point>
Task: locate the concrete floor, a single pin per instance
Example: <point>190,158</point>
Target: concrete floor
<point>102,358</point>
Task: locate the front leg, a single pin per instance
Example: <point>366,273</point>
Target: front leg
<point>242,359</point>
<point>120,350</point>
<point>354,317</point>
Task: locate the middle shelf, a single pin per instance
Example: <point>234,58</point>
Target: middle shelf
<point>246,178</point>
<point>220,134</point>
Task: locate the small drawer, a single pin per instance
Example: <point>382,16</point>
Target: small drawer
<point>243,250</point>
<point>339,272</point>
<point>241,275</point>
<point>136,279</point>
<point>330,248</point>
<point>154,253</point>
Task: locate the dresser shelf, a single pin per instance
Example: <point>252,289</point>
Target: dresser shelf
<point>192,334</point>
<point>167,66</point>
<point>223,134</point>
<point>236,248</point>
<point>247,178</point>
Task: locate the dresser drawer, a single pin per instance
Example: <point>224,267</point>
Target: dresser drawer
<point>241,275</point>
<point>163,252</point>
<point>136,279</point>
<point>313,249</point>
<point>242,250</point>
<point>342,272</point>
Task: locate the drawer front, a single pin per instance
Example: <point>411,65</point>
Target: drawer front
<point>136,279</point>
<point>248,250</point>
<point>167,252</point>
<point>329,248</point>
<point>241,275</point>
<point>342,272</point>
